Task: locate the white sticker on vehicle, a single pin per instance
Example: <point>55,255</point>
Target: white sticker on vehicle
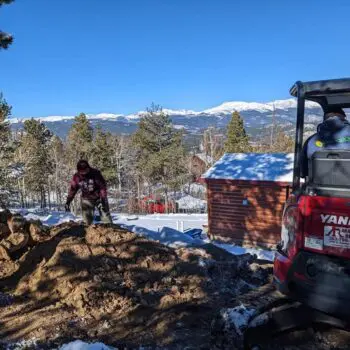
<point>313,243</point>
<point>337,237</point>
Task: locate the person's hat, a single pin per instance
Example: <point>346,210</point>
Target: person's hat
<point>83,166</point>
<point>334,110</point>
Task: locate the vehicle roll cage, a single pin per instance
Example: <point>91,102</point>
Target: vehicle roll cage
<point>327,93</point>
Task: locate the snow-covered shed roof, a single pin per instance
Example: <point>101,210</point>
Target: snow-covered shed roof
<point>276,167</point>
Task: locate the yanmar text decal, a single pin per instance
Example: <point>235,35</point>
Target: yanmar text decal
<point>336,236</point>
<point>335,219</point>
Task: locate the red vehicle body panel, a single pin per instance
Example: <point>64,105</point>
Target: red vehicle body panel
<point>281,267</point>
<point>327,220</point>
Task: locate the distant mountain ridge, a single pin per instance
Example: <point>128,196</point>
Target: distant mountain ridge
<point>257,117</point>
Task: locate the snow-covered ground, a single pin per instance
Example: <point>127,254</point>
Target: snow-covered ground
<point>156,222</point>
<point>51,218</point>
<point>79,345</point>
<point>166,228</point>
<point>261,254</point>
<point>75,345</point>
<point>238,316</point>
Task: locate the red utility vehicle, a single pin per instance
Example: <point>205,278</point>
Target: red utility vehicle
<point>156,205</point>
<point>312,263</point>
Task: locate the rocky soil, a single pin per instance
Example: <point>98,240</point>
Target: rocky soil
<point>105,284</point>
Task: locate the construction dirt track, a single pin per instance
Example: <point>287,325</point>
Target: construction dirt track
<point>106,284</point>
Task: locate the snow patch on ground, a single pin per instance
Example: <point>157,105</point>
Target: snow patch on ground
<point>52,219</point>
<point>261,254</point>
<point>75,345</point>
<point>167,236</point>
<point>155,222</point>
<point>165,228</point>
<point>79,345</point>
<point>238,317</point>
<point>21,345</point>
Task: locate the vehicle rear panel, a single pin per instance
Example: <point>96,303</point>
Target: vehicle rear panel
<point>326,225</point>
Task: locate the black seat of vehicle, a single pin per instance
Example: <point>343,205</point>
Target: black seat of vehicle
<point>329,173</point>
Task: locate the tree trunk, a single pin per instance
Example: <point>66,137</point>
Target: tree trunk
<point>119,176</point>
<point>59,197</point>
<point>42,200</point>
<point>166,200</point>
<point>20,193</point>
<point>138,188</point>
<point>49,194</point>
<point>58,200</point>
<point>24,193</point>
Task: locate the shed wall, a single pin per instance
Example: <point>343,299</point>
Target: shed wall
<point>258,223</point>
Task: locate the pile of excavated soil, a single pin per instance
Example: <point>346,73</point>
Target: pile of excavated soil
<point>107,284</point>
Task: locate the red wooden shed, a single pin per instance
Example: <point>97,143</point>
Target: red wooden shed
<point>246,195</point>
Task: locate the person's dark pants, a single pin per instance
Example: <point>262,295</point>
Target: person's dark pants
<point>88,209</point>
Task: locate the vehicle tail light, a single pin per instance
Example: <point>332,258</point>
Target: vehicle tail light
<point>289,230</point>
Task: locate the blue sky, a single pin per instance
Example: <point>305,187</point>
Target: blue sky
<point>119,56</point>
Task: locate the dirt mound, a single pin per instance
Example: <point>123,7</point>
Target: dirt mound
<point>105,283</point>
<point>18,234</point>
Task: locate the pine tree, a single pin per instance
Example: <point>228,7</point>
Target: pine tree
<point>103,156</point>
<point>155,139</point>
<point>5,38</point>
<point>60,170</point>
<point>5,131</point>
<point>6,151</point>
<point>79,146</point>
<point>237,140</point>
<point>155,131</point>
<point>125,155</point>
<point>161,155</point>
<point>80,138</point>
<point>37,166</point>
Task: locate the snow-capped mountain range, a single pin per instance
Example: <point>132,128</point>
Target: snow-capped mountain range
<point>257,116</point>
